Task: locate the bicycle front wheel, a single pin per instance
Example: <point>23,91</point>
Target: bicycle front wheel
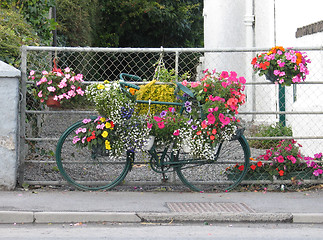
<point>86,169</point>
<point>214,175</point>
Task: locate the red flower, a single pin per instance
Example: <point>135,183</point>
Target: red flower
<point>241,168</point>
<point>253,167</point>
<point>259,164</point>
<point>281,173</point>
<point>254,60</point>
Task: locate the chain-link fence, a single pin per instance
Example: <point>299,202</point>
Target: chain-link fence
<point>265,121</point>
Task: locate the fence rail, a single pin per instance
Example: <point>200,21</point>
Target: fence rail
<point>41,127</point>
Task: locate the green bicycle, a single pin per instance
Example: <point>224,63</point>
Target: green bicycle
<point>87,169</point>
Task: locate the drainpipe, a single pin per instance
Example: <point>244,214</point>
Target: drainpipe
<point>249,21</point>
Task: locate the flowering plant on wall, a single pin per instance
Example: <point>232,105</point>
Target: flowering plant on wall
<point>282,66</point>
<point>58,84</point>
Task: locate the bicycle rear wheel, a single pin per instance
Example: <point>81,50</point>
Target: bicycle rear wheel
<point>213,175</point>
<point>86,169</point>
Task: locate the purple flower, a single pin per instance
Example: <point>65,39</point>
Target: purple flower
<point>194,127</point>
<point>189,109</point>
<point>187,103</point>
<point>163,114</point>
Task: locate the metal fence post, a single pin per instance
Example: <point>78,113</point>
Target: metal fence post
<point>176,64</point>
<point>22,115</point>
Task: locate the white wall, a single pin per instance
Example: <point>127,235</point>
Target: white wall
<point>276,22</point>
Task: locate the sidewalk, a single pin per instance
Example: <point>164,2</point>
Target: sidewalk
<point>54,206</point>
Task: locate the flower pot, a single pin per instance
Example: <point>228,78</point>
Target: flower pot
<point>186,147</point>
<point>271,77</point>
<point>149,143</point>
<point>53,103</point>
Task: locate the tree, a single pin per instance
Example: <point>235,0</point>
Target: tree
<point>144,23</point>
<point>14,32</point>
<point>77,22</point>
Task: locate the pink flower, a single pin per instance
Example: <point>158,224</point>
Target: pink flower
<point>280,159</point>
<point>67,69</point>
<point>32,72</point>
<point>210,118</point>
<point>224,74</point>
<point>44,72</point>
<point>242,80</point>
<point>40,94</point>
<point>292,159</point>
<point>80,91</point>
<point>86,120</point>
<point>161,125</point>
<point>71,93</point>
<point>51,89</point>
<point>76,139</point>
<point>195,84</point>
<point>157,119</point>
<point>184,83</point>
<point>176,132</point>
<point>282,74</point>
<point>223,119</point>
<point>224,84</point>
<point>149,125</point>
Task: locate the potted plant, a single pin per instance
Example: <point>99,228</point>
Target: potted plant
<point>282,66</point>
<point>170,127</point>
<point>161,88</point>
<point>56,86</point>
<point>219,97</point>
<point>129,131</point>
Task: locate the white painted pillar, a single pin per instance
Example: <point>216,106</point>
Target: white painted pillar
<point>9,97</point>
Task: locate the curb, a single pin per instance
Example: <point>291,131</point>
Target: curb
<point>12,217</point>
<point>216,217</point>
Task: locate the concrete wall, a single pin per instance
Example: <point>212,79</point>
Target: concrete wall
<point>9,97</point>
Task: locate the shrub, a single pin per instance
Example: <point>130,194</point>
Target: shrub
<point>274,130</point>
<point>14,32</point>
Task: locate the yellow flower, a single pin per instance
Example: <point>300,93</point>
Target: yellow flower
<point>105,134</point>
<point>107,145</point>
<point>100,86</point>
<point>106,82</point>
<point>108,125</point>
<point>102,119</point>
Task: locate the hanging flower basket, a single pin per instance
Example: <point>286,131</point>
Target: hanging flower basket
<point>282,66</point>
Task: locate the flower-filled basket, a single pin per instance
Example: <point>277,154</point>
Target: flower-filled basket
<point>56,86</point>
<point>282,66</point>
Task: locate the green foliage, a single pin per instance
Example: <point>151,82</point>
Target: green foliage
<point>78,20</point>
<point>274,130</point>
<point>14,32</point>
<point>143,23</point>
<point>36,13</point>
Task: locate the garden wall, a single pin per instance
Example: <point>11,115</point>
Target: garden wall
<point>9,96</point>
